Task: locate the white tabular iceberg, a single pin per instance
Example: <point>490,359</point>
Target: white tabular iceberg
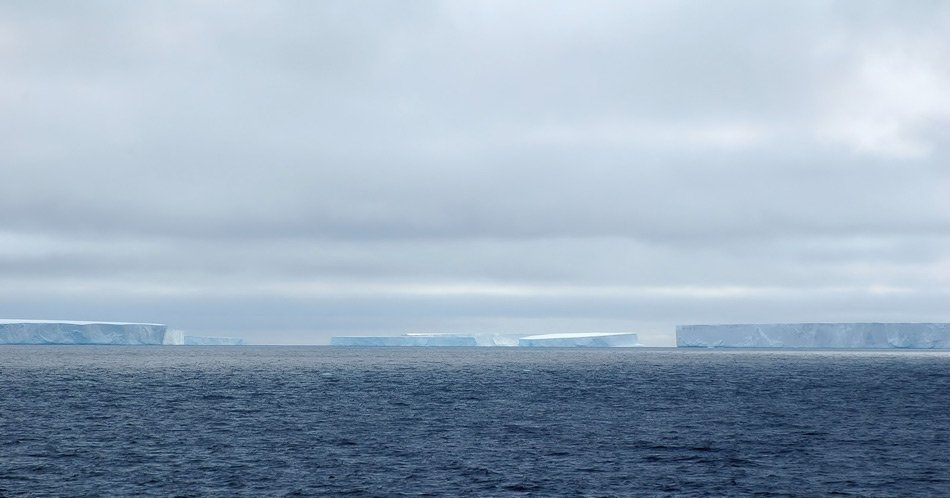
<point>70,332</point>
<point>816,335</point>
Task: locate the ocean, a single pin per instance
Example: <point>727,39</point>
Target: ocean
<point>322,421</point>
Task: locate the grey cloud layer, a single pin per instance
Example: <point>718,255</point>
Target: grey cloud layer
<point>220,146</point>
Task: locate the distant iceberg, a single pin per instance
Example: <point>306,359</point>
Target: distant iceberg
<point>816,335</point>
<point>197,340</point>
<point>580,340</point>
<point>491,340</point>
<point>73,332</point>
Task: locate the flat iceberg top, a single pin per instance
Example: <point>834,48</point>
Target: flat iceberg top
<point>12,321</point>
<point>574,335</point>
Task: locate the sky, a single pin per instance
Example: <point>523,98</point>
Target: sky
<point>288,171</point>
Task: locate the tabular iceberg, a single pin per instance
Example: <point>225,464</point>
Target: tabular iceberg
<point>581,340</point>
<point>816,335</point>
<point>70,332</point>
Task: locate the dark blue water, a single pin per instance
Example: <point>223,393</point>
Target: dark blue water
<point>312,421</point>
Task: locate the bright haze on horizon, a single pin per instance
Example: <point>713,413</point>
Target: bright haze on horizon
<point>287,171</point>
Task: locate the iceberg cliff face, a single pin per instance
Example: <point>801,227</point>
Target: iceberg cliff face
<point>816,335</point>
<point>68,332</point>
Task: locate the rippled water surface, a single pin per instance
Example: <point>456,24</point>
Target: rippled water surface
<point>308,421</point>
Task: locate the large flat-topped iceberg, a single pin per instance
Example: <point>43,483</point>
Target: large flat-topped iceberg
<point>75,332</point>
<point>580,340</point>
<point>816,335</point>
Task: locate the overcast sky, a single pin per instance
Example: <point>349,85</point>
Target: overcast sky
<point>285,171</point>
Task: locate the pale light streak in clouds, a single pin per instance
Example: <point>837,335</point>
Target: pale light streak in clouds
<point>287,171</point>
